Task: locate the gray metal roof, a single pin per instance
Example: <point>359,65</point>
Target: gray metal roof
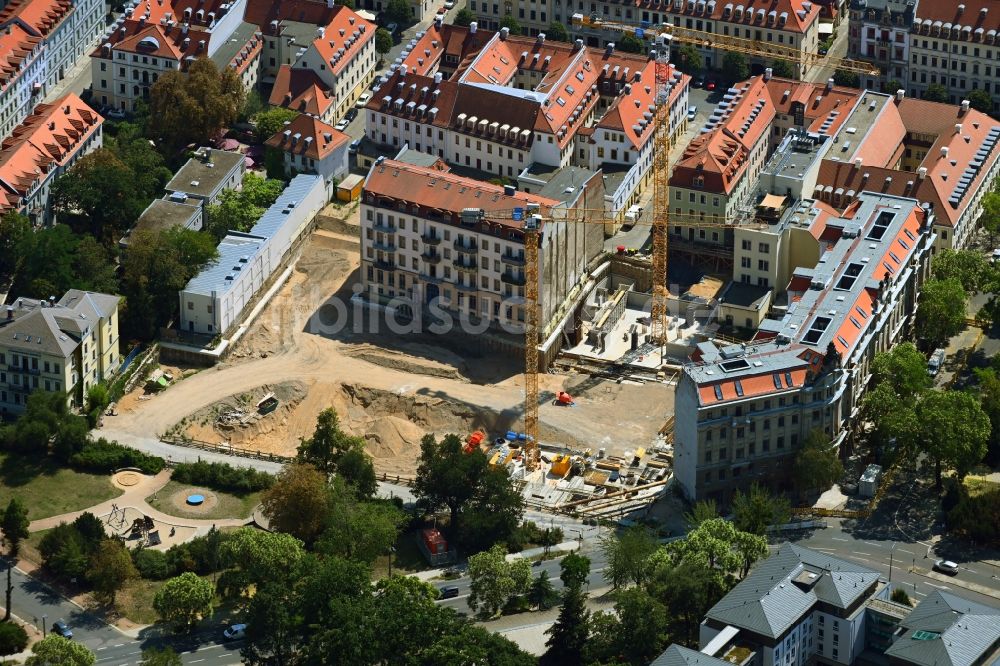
<point>237,40</point>
<point>235,249</point>
<point>678,655</point>
<point>196,177</point>
<point>947,630</point>
<point>38,327</point>
<point>768,602</point>
<point>277,215</point>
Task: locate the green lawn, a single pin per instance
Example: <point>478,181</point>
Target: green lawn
<point>48,490</point>
<point>229,506</point>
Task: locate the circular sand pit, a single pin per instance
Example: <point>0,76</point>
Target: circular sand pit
<point>127,479</point>
<point>194,501</point>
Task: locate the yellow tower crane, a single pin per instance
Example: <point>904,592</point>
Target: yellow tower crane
<point>663,35</point>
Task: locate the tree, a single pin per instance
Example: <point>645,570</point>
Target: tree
<point>14,229</point>
<point>164,656</point>
<point>357,469</point>
<point>273,625</point>
<point>192,107</point>
<point>627,556</point>
<point>643,622</point>
<point>702,511</point>
<point>494,512</point>
<point>110,568</point>
<point>233,213</point>
<point>54,650</point>
<point>184,599</point>
<point>361,531</point>
<point>936,93</point>
<point>473,644</point>
<point>557,32</point>
<point>257,556</point>
<point>989,396</point>
<point>568,636</point>
<point>816,466</point>
<point>691,58</point>
<point>464,17</point>
<point>847,79</point>
<point>383,42</point>
<point>328,442</point>
<point>954,430</point>
<point>494,580</point>
<point>509,22</point>
<point>574,570</point>
<point>100,186</point>
<point>688,590</point>
<point>716,545</point>
<point>270,122</point>
<point>629,43</point>
<point>297,502</point>
<point>157,265</point>
<point>63,553</point>
<point>900,596</point>
<point>756,510</point>
<point>399,12</point>
<point>903,368</point>
<point>941,313</point>
<point>734,66</point>
<point>990,217</point>
<point>15,526</point>
<point>446,476</point>
<point>783,68</point>
<point>13,638</point>
<point>968,267</point>
<point>542,595</point>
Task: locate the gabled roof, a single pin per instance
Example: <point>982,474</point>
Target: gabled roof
<point>154,39</point>
<point>796,17</point>
<point>768,602</point>
<point>301,90</point>
<point>16,44</point>
<point>454,41</point>
<point>262,12</point>
<point>678,655</point>
<point>947,630</point>
<point>41,16</point>
<point>47,138</point>
<point>344,36</point>
<point>308,136</point>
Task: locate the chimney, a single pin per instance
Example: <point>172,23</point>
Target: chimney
<point>961,9</point>
<point>329,4</point>
<point>504,32</point>
<point>438,20</point>
<point>857,162</point>
<point>958,128</point>
<point>472,28</point>
<point>509,190</point>
<point>403,68</point>
<point>437,78</point>
<point>10,313</point>
<point>577,45</point>
<point>609,49</point>
<point>922,173</point>
<point>965,107</point>
<point>52,301</point>
<point>767,74</point>
<point>829,85</point>
<point>541,38</point>
<point>944,151</point>
<point>900,94</point>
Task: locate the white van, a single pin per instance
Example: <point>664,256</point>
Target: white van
<point>632,215</point>
<point>935,362</point>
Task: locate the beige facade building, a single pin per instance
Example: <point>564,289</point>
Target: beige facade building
<point>64,347</point>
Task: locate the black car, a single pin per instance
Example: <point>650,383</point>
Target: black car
<point>449,592</point>
<point>351,114</point>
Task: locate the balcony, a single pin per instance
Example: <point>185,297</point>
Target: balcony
<point>513,278</point>
<point>512,259</point>
<point>461,286</point>
<point>384,227</point>
<point>430,239</point>
<point>431,257</point>
<point>385,264</point>
<point>467,249</point>
<point>384,246</point>
<point>463,265</point>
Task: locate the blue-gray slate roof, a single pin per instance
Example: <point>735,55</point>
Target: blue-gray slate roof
<point>947,630</point>
<point>678,655</point>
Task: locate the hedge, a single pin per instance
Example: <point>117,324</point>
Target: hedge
<point>222,476</point>
<point>103,457</point>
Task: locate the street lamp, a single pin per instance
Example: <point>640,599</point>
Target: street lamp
<point>893,548</point>
<point>392,549</point>
<point>43,625</point>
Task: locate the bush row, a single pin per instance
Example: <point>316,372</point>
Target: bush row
<point>102,457</point>
<point>222,476</point>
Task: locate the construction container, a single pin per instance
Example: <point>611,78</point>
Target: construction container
<point>349,188</point>
<point>560,466</point>
<point>434,541</point>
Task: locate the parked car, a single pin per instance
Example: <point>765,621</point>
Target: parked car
<point>449,592</point>
<point>353,148</point>
<point>692,112</point>
<point>710,84</point>
<point>449,4</point>
<point>351,114</point>
<point>363,100</point>
<point>935,362</point>
<point>235,632</point>
<point>698,82</point>
<point>946,566</point>
<point>393,29</point>
<point>116,114</point>
<point>60,628</point>
<point>342,125</point>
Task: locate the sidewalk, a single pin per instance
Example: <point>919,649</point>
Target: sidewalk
<point>557,550</point>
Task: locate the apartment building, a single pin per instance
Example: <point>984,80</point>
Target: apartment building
<point>41,149</point>
<point>431,238</point>
<point>514,102</point>
<point>790,23</point>
<point>152,38</point>
<point>204,177</point>
<point>800,606</point>
<point>65,347</point>
<point>743,411</point>
<point>312,146</point>
<point>40,41</point>
<point>918,43</point>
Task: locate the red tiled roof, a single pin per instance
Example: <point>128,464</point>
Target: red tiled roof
<point>447,193</point>
<point>883,139</point>
<point>444,40</point>
<point>42,15</point>
<point>317,140</point>
<point>16,44</point>
<point>344,35</point>
<point>971,15</point>
<point>834,99</point>
<point>751,385</point>
<point>262,12</point>
<point>47,138</point>
<point>797,20</point>
<point>158,40</point>
<point>156,11</point>
<point>300,90</point>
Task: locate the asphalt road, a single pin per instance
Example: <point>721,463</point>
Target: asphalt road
<point>32,601</point>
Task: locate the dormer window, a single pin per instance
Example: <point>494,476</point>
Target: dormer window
<point>698,182</point>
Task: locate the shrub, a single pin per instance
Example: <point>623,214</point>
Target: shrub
<point>103,457</point>
<point>152,564</point>
<point>200,555</point>
<point>222,476</point>
<point>13,638</point>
